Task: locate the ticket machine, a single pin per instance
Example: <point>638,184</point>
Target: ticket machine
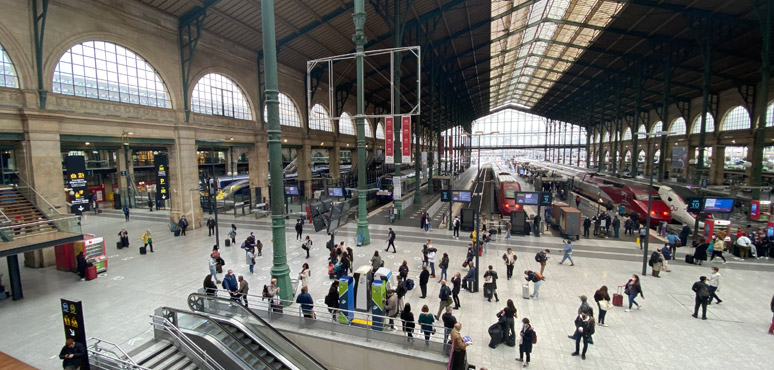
<point>346,298</point>
<point>362,277</point>
<point>384,274</point>
<point>760,210</point>
<point>713,226</point>
<point>378,295</point>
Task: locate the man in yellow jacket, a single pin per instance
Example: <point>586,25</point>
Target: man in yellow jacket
<point>147,239</point>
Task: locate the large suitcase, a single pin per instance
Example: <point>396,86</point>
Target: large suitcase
<point>91,272</point>
<point>228,242</point>
<point>525,291</point>
<point>618,298</point>
<point>496,335</point>
<point>689,259</point>
<point>177,232</point>
<point>143,250</point>
<point>119,245</point>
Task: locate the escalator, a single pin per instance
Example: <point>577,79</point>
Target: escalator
<point>240,344</point>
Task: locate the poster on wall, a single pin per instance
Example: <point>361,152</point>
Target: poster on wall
<point>680,157</point>
<point>389,144</point>
<point>160,162</point>
<point>76,181</point>
<point>406,138</point>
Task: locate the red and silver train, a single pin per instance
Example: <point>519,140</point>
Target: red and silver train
<point>613,192</point>
<point>506,188</point>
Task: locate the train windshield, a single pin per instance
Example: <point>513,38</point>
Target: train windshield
<point>645,197</point>
<point>510,194</point>
<point>386,184</point>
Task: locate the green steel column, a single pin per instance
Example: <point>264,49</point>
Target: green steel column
<point>588,147</point>
<point>359,38</point>
<point>280,269</point>
<point>635,128</point>
<point>705,90</point>
<point>765,21</point>
<point>430,153</point>
<point>397,38</point>
<point>618,126</point>
<point>664,118</point>
<point>39,19</point>
<point>417,162</point>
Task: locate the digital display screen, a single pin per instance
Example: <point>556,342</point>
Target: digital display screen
<point>335,192</point>
<point>527,198</point>
<point>694,204</point>
<point>461,195</point>
<point>770,231</point>
<point>721,205</point>
<point>291,190</point>
<point>521,172</point>
<point>445,195</point>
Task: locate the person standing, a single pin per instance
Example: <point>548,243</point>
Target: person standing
<point>147,239</point>
<point>702,296</point>
<point>490,285</point>
<point>390,241</point>
<point>403,270</point>
<point>584,325</point>
<point>332,299</point>
<point>510,314</point>
<point>408,321</point>
<point>577,201</point>
<point>445,297</point>
<point>586,226</point>
<point>307,303</point>
<point>508,226</point>
<point>449,321</point>
<point>376,261</point>
<point>231,285</point>
<point>714,285</point>
<point>444,265</point>
<point>537,281</point>
<point>426,320</point>
<point>213,263</point>
<point>541,258</point>
<point>459,346</point>
<point>467,281</point>
<point>391,307</point>
<point>632,288</point>
<point>700,251</point>
<point>584,307</point>
<point>183,224</point>
<point>244,288</point>
<point>209,286</point>
<point>667,256</point>
<point>72,354</point>
<point>536,225</point>
<point>744,243</point>
<point>95,204</point>
<point>250,258</point>
<point>126,213</point>
<point>567,253</point>
<point>424,276</point>
<point>510,260</point>
<point>656,262</point>
<point>456,227</point>
<point>124,236</point>
<point>525,344</point>
<point>643,233</point>
<point>684,232</point>
<point>210,226</point>
<point>304,275</point>
<point>597,222</point>
<point>432,258</point>
<point>602,297</point>
<point>718,247</point>
<point>616,226</point>
<point>456,282</point>
<point>299,228</point>
<point>232,233</point>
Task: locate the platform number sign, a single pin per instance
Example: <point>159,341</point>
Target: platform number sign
<point>695,204</point>
<point>76,181</point>
<point>160,162</point>
<point>546,199</point>
<point>72,317</point>
<point>445,196</point>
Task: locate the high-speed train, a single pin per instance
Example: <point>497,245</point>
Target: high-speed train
<point>506,188</point>
<point>613,193</point>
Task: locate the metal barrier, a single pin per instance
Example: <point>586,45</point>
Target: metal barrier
<point>107,358</point>
<point>192,349</point>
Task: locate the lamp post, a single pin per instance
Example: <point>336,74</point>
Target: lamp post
<point>478,209</point>
<point>650,199</point>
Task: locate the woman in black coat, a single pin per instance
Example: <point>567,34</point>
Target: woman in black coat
<point>332,299</point>
<point>700,252</point>
<point>527,335</point>
<point>408,321</point>
<point>81,265</point>
<point>456,281</point>
<point>209,286</point>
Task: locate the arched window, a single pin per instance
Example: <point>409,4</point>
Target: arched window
<point>658,127</point>
<point>678,127</point>
<point>320,120</point>
<point>642,129</point>
<point>288,113</point>
<point>736,119</point>
<point>8,76</point>
<point>106,71</point>
<point>770,115</point>
<point>627,134</point>
<point>380,130</point>
<point>607,137</point>
<point>369,130</point>
<point>697,124</point>
<point>346,125</point>
<point>218,95</point>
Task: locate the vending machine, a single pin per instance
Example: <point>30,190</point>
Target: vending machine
<point>94,251</point>
<point>378,295</point>
<point>760,210</point>
<point>346,298</point>
<point>713,226</point>
<point>362,290</point>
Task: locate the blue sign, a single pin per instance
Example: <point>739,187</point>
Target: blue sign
<point>720,205</point>
<point>123,173</point>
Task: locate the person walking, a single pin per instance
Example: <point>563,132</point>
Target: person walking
<point>508,227</point>
<point>684,232</point>
<point>182,223</point>
<point>332,299</point>
<point>126,213</point>
<point>213,263</point>
<point>586,226</point>
<point>526,341</point>
<point>250,258</point>
<point>426,320</point>
<point>656,262</point>
<point>444,265</point>
<point>541,258</point>
<point>123,235</point>
<point>714,285</point>
<point>390,241</point>
<point>456,282</point>
<point>408,321</point>
<point>602,298</point>
<point>667,256</point>
<point>72,354</point>
<point>232,233</point>
<point>445,297</point>
<point>424,276</point>
<point>210,226</point>
<point>718,247</point>
<point>643,233</point>
<point>456,227</point>
<point>376,261</point>
<point>537,281</point>
<point>307,303</point>
<point>616,226</point>
<point>304,275</point>
<point>577,201</point>
<point>299,228</point>
<point>632,288</point>
<point>702,296</point>
<point>244,288</point>
<point>490,284</point>
<point>567,253</point>
<point>510,261</point>
<point>147,239</point>
<point>584,325</point>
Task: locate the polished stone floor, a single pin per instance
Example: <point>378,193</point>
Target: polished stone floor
<point>662,335</point>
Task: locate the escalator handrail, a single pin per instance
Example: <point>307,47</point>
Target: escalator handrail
<point>264,323</point>
<point>221,327</point>
<point>175,332</point>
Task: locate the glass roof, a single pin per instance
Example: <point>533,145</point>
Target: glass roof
<point>534,42</point>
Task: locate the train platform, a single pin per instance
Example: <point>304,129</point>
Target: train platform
<point>118,302</point>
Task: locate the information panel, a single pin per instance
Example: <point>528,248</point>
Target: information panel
<point>527,198</point>
<point>464,196</point>
<point>694,204</point>
<point>336,192</point>
<point>406,138</point>
<point>72,317</point>
<point>160,162</point>
<point>719,205</point>
<point>389,140</point>
<point>76,180</point>
<point>445,196</point>
<point>546,199</point>
<point>291,190</point>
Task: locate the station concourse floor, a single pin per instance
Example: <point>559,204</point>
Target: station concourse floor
<point>662,335</point>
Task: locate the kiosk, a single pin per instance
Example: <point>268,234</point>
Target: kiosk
<point>362,277</point>
<point>384,274</point>
<point>346,299</point>
<point>760,210</point>
<point>378,295</point>
<point>713,226</point>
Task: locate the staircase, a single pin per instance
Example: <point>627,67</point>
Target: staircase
<point>27,220</point>
<point>245,348</point>
<point>161,355</point>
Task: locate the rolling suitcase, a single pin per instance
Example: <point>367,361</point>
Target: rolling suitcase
<point>228,242</point>
<point>91,272</point>
<point>618,298</point>
<point>119,245</point>
<point>143,250</point>
<point>525,291</point>
<point>689,259</point>
<point>177,232</point>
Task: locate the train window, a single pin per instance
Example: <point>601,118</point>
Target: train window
<point>510,194</point>
<point>641,196</point>
<point>669,199</point>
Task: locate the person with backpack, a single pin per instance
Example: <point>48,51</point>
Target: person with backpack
<point>307,245</point>
<point>643,233</point>
<point>408,321</point>
<point>584,326</point>
<point>510,260</point>
<point>445,296</point>
<point>390,241</point>
<point>541,258</point>
<point>656,262</point>
<point>536,279</point>
<point>456,227</point>
<point>126,213</point>
<point>528,337</point>
<point>210,226</point>
<point>702,297</point>
<point>444,265</point>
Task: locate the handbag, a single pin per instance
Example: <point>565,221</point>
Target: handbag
<point>605,305</point>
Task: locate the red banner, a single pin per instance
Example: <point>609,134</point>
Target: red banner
<point>389,144</point>
<point>406,138</point>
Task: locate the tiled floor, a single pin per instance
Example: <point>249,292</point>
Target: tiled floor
<point>660,336</point>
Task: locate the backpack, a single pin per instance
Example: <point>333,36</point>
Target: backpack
<point>409,284</point>
<point>534,337</point>
<point>265,292</point>
<point>653,259</point>
<point>538,257</point>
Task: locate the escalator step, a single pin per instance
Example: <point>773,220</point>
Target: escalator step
<point>277,365</point>
<point>254,347</point>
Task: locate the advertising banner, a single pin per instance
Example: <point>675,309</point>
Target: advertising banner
<point>160,162</point>
<point>76,180</point>
<point>406,138</point>
<point>389,137</point>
